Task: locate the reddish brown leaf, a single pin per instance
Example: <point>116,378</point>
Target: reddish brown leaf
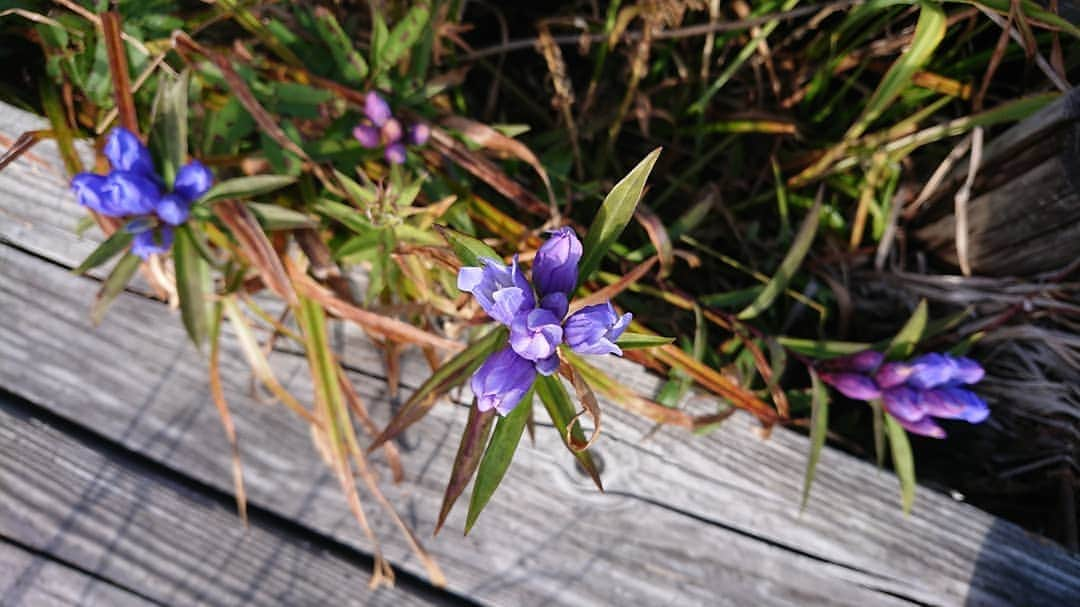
<point>471,448</point>
<point>609,292</point>
<point>500,144</point>
<point>658,235</point>
<point>118,67</point>
<point>256,247</point>
<point>589,404</point>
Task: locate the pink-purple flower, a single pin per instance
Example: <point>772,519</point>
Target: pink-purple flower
<point>913,392</point>
<point>536,319</point>
<point>134,189</point>
<point>381,129</point>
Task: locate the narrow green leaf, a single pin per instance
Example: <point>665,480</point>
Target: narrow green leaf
<point>903,344</point>
<point>878,412</point>
<point>794,258</point>
<point>246,187</point>
<point>120,276</point>
<point>171,123</point>
<point>634,341</point>
<point>453,372</point>
<point>273,217</point>
<point>105,251</point>
<point>614,214</point>
<point>819,428</point>
<point>497,457</point>
<point>193,285</point>
<point>402,38</point>
<point>556,400</point>
<point>467,459</point>
<point>350,63</point>
<point>903,461</point>
<point>468,249</point>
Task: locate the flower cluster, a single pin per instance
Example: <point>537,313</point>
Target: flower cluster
<point>380,128</point>
<point>913,392</point>
<point>537,320</point>
<point>134,189</point>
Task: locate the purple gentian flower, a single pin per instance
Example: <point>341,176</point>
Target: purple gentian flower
<point>594,329</point>
<point>912,392</point>
<point>133,189</point>
<point>380,128</point>
<point>500,290</point>
<point>419,134</point>
<point>502,380</point>
<point>536,331</point>
<point>376,109</point>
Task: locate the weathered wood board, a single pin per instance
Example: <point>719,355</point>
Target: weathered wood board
<point>32,580</point>
<point>710,520</point>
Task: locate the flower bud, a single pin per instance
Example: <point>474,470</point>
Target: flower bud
<point>127,153</point>
<point>501,381</point>
<point>419,133</point>
<point>129,193</point>
<point>852,385</point>
<point>929,371</point>
<point>902,402</point>
<point>367,135</point>
<point>192,181</point>
<point>88,189</point>
<point>535,334</point>
<point>924,426</point>
<point>376,109</point>
<point>555,268</point>
<point>395,153</point>
<point>500,290</point>
<point>173,209</point>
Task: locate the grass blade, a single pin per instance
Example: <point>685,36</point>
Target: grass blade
<point>120,276</point>
<point>634,341</point>
<point>246,187</point>
<point>218,395</point>
<point>614,214</point>
<point>497,457</point>
<point>105,251</point>
<point>790,264</point>
<point>819,428</point>
<point>468,249</point>
<point>556,400</point>
<point>903,344</point>
<point>903,461</point>
<point>470,449</point>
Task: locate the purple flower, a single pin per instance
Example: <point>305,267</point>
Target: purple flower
<point>555,268</point>
<point>367,135</point>
<point>173,209</point>
<point>535,335</point>
<point>192,181</point>
<point>924,426</point>
<point>594,329</point>
<point>502,380</point>
<point>861,362</point>
<point>395,153</point>
<point>500,290</point>
<point>151,242</point>
<point>89,192</point>
<point>852,385</point>
<point>419,134</point>
<point>129,193</point>
<point>127,153</point>
<point>376,109</point>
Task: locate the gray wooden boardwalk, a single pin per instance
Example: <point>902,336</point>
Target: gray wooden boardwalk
<point>115,481</point>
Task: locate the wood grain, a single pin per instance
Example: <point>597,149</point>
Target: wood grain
<point>32,580</point>
<point>710,520</point>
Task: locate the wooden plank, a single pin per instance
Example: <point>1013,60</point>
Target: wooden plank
<point>33,580</point>
<point>685,518</point>
<point>94,507</point>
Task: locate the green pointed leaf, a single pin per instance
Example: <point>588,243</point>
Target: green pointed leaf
<point>105,251</point>
<point>246,187</point>
<point>273,217</point>
<point>794,258</point>
<point>171,124</point>
<point>120,276</point>
<point>903,461</point>
<point>634,341</point>
<point>822,348</point>
<point>468,249</point>
<point>452,373</point>
<point>819,429</point>
<point>350,63</point>
<point>556,400</point>
<point>497,457</point>
<point>613,215</point>
<point>903,344</point>
<point>402,38</point>
<point>193,285</point>
<point>467,459</point>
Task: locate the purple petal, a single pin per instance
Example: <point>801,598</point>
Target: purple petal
<point>390,132</point>
<point>965,370</point>
<point>173,209</point>
<point>555,268</point>
<point>367,135</point>
<point>852,385</point>
<point>395,153</point>
<point>501,381</point>
<point>376,108</point>
<point>548,366</point>
<point>152,242</point>
<point>930,371</point>
<point>903,403</point>
<point>514,292</point>
<point>419,134</point>
<point>128,193</point>
<point>924,426</point>
<point>507,302</point>
<point>193,180</point>
<point>88,189</point>
<point>126,152</point>
<point>555,303</point>
<point>594,329</point>
<point>535,334</point>
<point>956,403</point>
<point>891,375</point>
<point>861,362</point>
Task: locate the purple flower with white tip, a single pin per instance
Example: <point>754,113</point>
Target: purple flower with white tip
<point>594,329</point>
<point>536,331</point>
<point>381,129</point>
<point>913,392</point>
<point>502,381</point>
<point>133,189</point>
